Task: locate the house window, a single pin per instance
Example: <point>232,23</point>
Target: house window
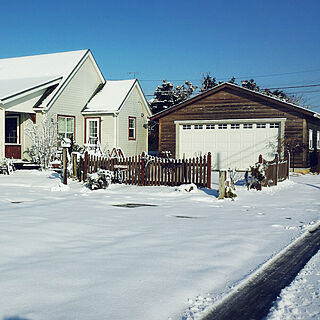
<point>66,127</point>
<point>210,126</point>
<point>318,139</point>
<point>261,125</point>
<point>222,126</point>
<point>198,126</point>
<point>310,139</point>
<point>12,129</point>
<point>92,130</point>
<point>186,127</point>
<point>274,125</point>
<point>235,126</point>
<point>132,128</point>
<point>247,126</point>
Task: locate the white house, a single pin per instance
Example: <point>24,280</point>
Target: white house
<point>118,116</point>
<point>64,85</point>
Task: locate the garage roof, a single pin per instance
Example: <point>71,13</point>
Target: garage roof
<point>237,88</point>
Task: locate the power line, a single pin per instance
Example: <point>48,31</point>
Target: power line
<point>247,76</point>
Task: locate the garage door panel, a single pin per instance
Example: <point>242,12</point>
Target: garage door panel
<point>231,147</point>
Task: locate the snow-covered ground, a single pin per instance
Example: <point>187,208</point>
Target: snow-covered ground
<point>69,253</point>
<point>300,300</point>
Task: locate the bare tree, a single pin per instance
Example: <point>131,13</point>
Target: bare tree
<point>44,141</point>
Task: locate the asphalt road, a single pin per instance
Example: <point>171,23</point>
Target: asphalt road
<point>253,300</point>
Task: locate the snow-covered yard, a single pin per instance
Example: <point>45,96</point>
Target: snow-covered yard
<point>69,253</point>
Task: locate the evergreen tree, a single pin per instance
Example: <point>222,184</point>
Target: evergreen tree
<point>166,95</point>
<point>207,82</point>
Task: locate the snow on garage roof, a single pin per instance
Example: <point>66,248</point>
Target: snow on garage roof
<point>111,96</point>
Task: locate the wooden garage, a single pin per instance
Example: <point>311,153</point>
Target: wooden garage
<point>236,125</point>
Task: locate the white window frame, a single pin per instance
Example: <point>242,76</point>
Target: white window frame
<point>318,140</point>
<point>93,139</point>
<point>134,128</point>
<point>310,139</point>
<point>66,125</point>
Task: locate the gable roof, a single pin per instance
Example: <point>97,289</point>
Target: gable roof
<point>19,75</point>
<point>112,96</point>
<point>236,88</point>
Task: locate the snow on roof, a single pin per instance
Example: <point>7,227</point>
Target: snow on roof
<point>111,96</point>
<point>10,87</point>
<point>22,73</point>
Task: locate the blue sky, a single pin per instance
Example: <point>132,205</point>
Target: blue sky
<point>176,40</point>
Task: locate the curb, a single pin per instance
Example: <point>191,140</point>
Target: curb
<point>253,298</point>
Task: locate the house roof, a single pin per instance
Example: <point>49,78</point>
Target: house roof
<point>237,88</point>
<point>111,97</point>
<point>12,87</point>
<point>18,75</point>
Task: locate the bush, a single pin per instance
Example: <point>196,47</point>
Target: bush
<point>100,179</point>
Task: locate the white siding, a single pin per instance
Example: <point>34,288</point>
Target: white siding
<point>107,139</point>
<point>133,107</point>
<point>75,96</point>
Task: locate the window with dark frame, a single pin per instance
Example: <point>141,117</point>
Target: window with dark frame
<point>132,128</point>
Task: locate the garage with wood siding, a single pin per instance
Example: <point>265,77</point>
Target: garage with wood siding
<point>192,127</point>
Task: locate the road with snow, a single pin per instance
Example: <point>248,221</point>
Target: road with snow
<point>254,298</point>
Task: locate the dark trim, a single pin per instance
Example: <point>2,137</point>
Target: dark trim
<point>70,75</point>
<point>135,80</point>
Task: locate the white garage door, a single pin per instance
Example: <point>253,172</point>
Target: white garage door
<point>232,145</point>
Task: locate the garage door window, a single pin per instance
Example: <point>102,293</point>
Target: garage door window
<point>247,126</point>
<point>210,126</point>
<point>235,126</point>
<point>261,125</point>
<point>222,126</point>
<point>186,127</point>
<point>198,126</point>
<point>274,125</point>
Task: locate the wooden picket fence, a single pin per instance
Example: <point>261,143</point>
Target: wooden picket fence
<point>276,170</point>
<point>148,171</point>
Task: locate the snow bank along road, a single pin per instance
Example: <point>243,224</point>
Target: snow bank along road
<point>69,253</point>
<point>253,299</point>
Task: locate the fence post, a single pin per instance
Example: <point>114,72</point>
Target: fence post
<point>142,169</point>
<point>276,174</point>
<point>222,184</point>
<point>85,167</point>
<point>259,185</point>
<point>209,170</point>
<point>65,165</point>
<point>74,165</point>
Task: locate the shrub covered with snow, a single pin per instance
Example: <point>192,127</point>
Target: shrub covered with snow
<point>100,179</point>
<point>6,166</point>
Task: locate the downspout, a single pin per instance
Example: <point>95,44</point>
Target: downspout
<point>2,130</point>
<point>115,129</point>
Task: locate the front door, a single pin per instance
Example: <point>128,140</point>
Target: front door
<point>12,137</point>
